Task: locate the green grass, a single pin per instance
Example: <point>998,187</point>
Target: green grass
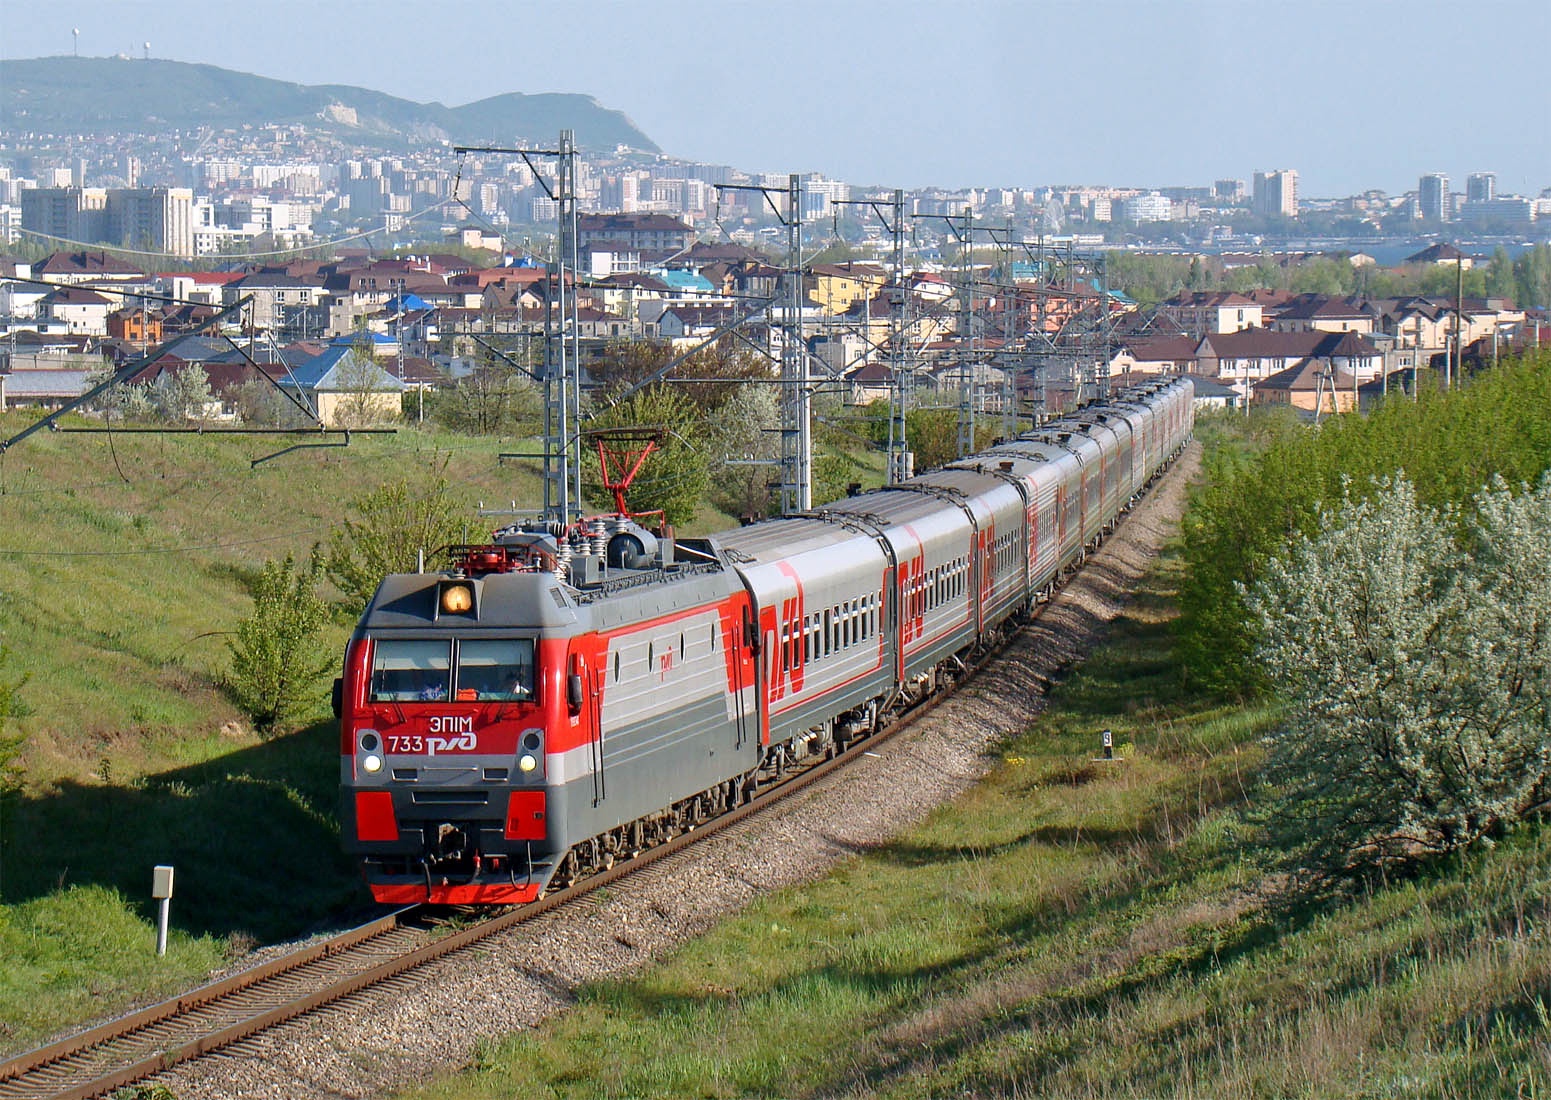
<point>121,569</point>
<point>1081,929</point>
<point>82,952</point>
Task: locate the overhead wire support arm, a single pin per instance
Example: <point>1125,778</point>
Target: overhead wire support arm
<point>503,356</point>
<point>678,360</point>
<point>294,398</point>
<point>538,176</point>
<point>125,372</point>
<point>877,206</point>
<point>767,192</point>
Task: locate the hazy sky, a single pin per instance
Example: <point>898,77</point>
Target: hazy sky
<point>904,93</point>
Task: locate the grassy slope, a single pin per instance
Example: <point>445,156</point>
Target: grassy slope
<point>121,564</point>
<point>1086,930</point>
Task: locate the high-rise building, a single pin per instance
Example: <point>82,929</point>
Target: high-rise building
<point>1276,193</point>
<point>1481,187</point>
<point>1228,191</point>
<point>66,214</point>
<point>1432,197</point>
<point>1152,207</point>
<point>158,219</point>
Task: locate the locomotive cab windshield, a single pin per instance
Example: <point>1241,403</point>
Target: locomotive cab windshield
<point>409,670</point>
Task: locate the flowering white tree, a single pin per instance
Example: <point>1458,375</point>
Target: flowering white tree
<point>745,449</point>
<point>181,395</point>
<point>1412,648</point>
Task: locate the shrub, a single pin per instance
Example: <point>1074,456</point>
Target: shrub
<point>392,527</point>
<point>278,655</point>
<point>1259,499</point>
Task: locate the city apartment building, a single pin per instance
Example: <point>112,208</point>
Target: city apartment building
<point>1151,207</point>
<point>157,219</point>
<point>1432,197</point>
<point>1276,193</point>
<point>643,232</point>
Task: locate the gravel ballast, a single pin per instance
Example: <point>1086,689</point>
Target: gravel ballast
<point>426,1024</point>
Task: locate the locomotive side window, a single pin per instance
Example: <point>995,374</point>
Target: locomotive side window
<point>496,670</point>
<point>411,671</point>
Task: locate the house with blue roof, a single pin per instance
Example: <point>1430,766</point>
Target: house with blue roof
<point>687,283</point>
<point>347,387</point>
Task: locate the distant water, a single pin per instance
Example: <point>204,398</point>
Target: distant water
<point>1387,252</point>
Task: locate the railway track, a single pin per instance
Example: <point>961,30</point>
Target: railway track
<point>140,1045</point>
<point>137,1046</point>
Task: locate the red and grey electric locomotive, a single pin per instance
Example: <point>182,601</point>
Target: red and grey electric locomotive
<point>565,696</point>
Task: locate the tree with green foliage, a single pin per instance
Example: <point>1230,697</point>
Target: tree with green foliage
<point>182,395</point>
<point>1532,278</point>
<point>258,401</point>
<point>720,366</point>
<point>390,530</point>
<point>836,251</point>
<point>1151,278</point>
<point>493,399</point>
<point>278,655</point>
<point>1268,487</point>
<point>1415,665</point>
<point>674,477</point>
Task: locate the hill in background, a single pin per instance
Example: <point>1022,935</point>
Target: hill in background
<point>98,94</point>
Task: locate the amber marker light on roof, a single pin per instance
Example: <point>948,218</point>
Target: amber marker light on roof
<point>456,599</point>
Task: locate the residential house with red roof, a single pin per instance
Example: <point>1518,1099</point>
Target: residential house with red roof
<point>1245,359</point>
<point>1323,313</point>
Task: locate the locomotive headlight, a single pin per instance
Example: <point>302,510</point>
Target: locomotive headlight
<point>527,762</point>
<point>372,763</point>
